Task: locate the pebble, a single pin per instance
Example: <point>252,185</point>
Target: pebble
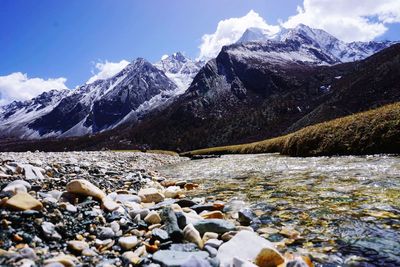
<point>172,191</point>
<point>152,218</point>
<point>246,245</point>
<point>214,225</point>
<point>128,242</point>
<point>213,215</point>
<point>23,201</point>
<point>106,233</point>
<point>131,257</point>
<point>17,186</point>
<point>270,257</point>
<point>192,235</point>
<point>209,235</point>
<point>172,258</point>
<point>77,246</point>
<point>149,195</point>
<point>215,243</point>
<point>160,234</point>
<point>66,260</point>
<point>49,231</point>
<point>171,224</point>
<point>85,188</point>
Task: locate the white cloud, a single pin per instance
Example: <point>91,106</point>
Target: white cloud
<point>229,31</point>
<point>107,70</point>
<point>18,86</point>
<point>348,20</point>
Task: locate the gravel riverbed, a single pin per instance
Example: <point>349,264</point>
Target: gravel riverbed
<point>113,209</point>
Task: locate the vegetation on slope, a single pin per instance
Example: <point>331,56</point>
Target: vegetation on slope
<point>370,132</point>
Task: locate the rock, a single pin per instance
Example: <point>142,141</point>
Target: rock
<point>185,203</point>
<point>28,253</point>
<point>290,233</point>
<point>213,215</point>
<point>267,230</point>
<point>89,252</point>
<point>234,206</point>
<point>85,188</point>
<point>68,207</point>
<point>172,258</point>
<point>115,226</point>
<point>195,261</point>
<point>190,186</point>
<point>66,260</point>
<point>32,173</point>
<point>124,198</point>
<point>26,263</point>
<point>203,207</point>
<point>269,257</point>
<point>109,204</point>
<point>302,262</point>
<point>152,218</point>
<point>49,231</point>
<point>77,246</point>
<point>192,217</point>
<point>209,235</point>
<point>171,224</point>
<point>103,245</point>
<point>128,242</point>
<point>131,257</point>
<point>238,262</point>
<point>148,195</point>
<point>247,245</point>
<point>214,225</point>
<point>228,235</point>
<point>159,234</point>
<point>17,186</point>
<point>106,233</point>
<point>246,217</point>
<point>172,191</point>
<point>215,243</point>
<point>192,235</point>
<point>23,201</point>
<point>181,219</point>
<point>211,250</point>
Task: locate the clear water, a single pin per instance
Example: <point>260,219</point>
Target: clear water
<point>347,209</point>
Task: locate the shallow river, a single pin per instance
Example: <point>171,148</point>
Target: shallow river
<point>347,209</point>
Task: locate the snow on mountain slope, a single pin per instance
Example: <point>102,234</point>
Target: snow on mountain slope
<point>16,116</point>
<point>180,69</point>
<point>318,39</point>
<point>91,108</point>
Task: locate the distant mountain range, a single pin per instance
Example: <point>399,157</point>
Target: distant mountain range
<point>259,87</point>
<point>101,105</point>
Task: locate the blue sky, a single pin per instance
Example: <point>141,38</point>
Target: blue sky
<point>63,38</point>
<point>66,38</point>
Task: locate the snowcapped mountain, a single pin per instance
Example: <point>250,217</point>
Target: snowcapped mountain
<point>91,108</point>
<point>180,69</point>
<point>326,43</point>
<point>255,66</point>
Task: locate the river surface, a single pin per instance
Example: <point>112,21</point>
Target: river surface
<point>346,209</point>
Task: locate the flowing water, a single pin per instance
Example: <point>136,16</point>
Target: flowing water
<point>346,209</point>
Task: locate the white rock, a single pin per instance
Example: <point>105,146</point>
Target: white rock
<point>238,262</point>
<point>172,191</point>
<point>128,242</point>
<point>245,245</point>
<point>17,186</point>
<point>33,173</point>
<point>192,235</point>
<point>86,188</point>
<point>148,195</point>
